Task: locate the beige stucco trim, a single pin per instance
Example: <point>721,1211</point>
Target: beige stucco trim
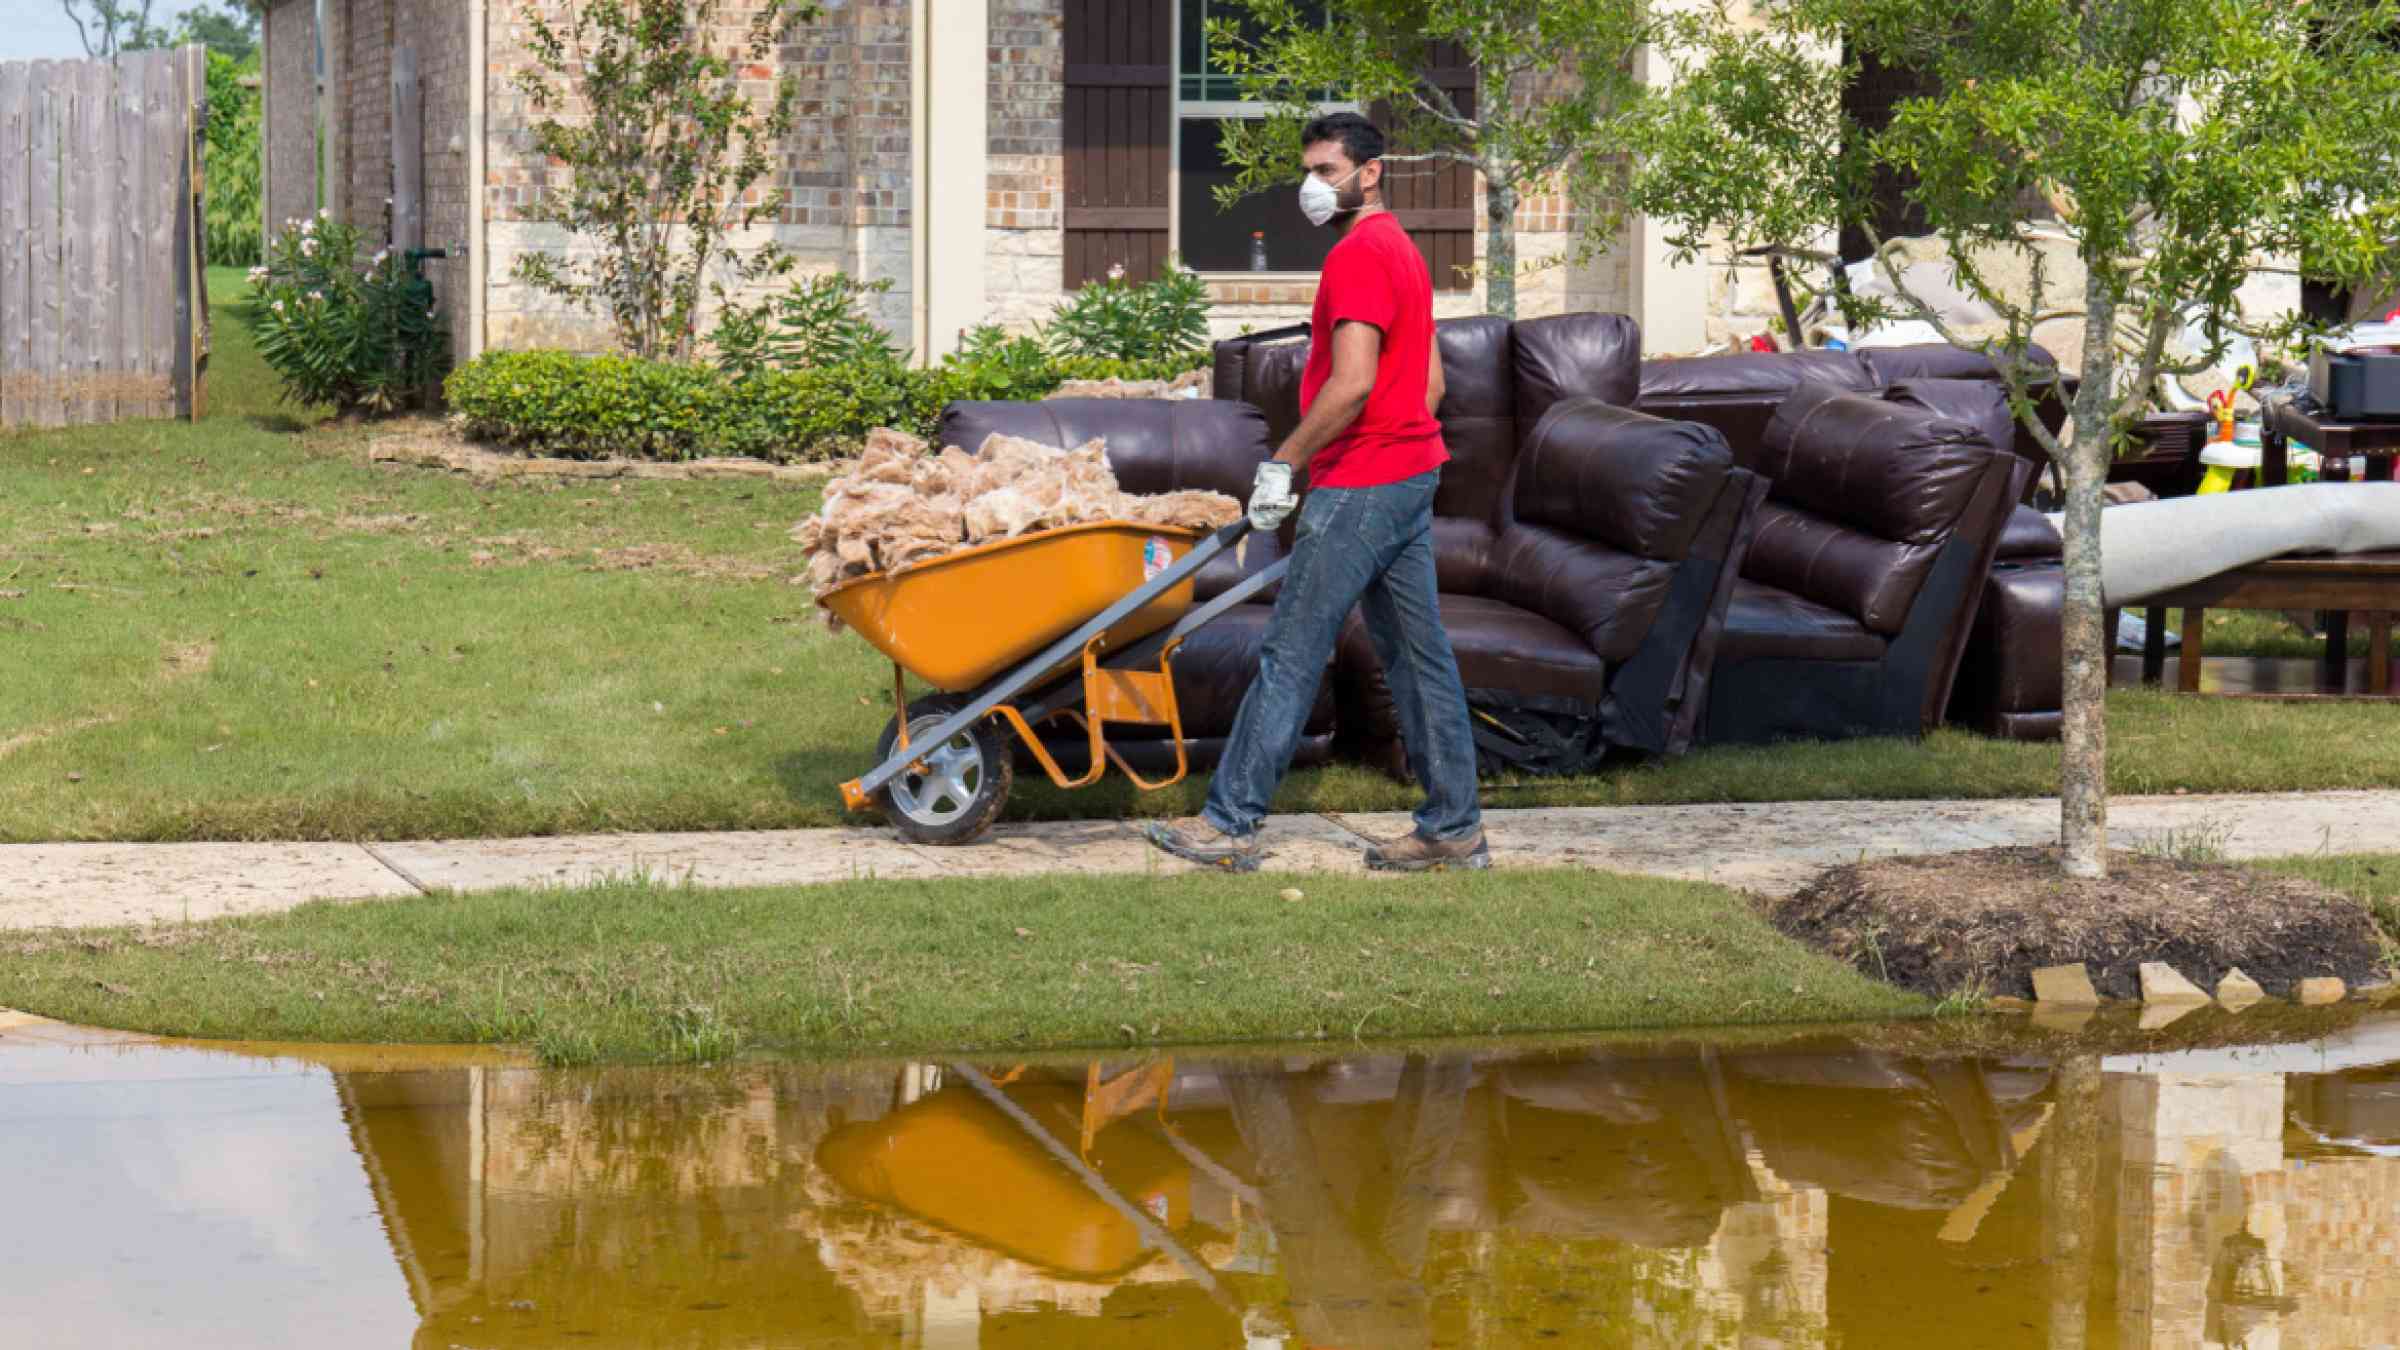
<point>479,199</point>
<point>950,60</point>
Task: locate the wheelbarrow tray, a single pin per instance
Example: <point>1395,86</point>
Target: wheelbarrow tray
<point>957,621</point>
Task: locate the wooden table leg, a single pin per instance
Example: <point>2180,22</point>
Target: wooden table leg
<point>2154,645</point>
<point>2379,652</point>
<point>2108,645</point>
<point>2274,458</point>
<point>2334,667</point>
<point>2187,668</point>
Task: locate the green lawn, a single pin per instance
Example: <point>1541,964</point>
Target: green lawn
<point>637,971</point>
<point>241,629</point>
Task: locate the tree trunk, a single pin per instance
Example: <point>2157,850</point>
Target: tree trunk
<point>2083,638</point>
<point>1500,249</point>
<point>2070,1172</point>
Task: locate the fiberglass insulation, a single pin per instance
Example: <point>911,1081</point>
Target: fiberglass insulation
<point>902,502</point>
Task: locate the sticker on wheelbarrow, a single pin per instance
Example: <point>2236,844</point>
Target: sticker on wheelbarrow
<point>1157,556</point>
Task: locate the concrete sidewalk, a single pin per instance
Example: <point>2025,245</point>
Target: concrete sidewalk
<point>1770,847</point>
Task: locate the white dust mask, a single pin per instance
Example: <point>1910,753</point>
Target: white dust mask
<point>1321,201</point>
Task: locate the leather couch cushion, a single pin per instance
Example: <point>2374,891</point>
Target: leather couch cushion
<point>1981,404</point>
<point>2028,535</point>
<point>1872,580</point>
<point>1738,394</point>
<point>1478,416</point>
<point>1499,646</point>
<point>1564,356</point>
<point>1271,383</point>
<point>1768,623</point>
<point>1627,479</point>
<point>1886,469</point>
<point>1937,361</point>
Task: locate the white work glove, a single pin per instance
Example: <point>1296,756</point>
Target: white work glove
<point>1271,496</point>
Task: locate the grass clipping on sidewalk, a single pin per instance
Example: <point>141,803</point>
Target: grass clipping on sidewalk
<point>637,971</point>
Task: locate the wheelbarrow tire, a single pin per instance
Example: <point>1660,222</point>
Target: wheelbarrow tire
<point>962,785</point>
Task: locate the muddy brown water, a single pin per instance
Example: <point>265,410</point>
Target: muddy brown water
<point>1821,1194</point>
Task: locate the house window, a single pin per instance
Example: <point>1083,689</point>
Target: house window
<point>1208,237</point>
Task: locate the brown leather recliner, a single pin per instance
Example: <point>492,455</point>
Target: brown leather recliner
<point>1858,591</point>
<point>1585,552</point>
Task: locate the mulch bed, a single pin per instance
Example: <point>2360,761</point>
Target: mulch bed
<point>1954,921</point>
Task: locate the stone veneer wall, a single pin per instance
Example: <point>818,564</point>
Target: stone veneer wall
<point>846,175</point>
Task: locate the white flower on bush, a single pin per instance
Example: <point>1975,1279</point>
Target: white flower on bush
<point>258,276</point>
<point>1116,272</point>
<point>277,307</point>
<point>317,296</point>
<point>308,247</point>
<point>323,214</point>
<point>380,255</point>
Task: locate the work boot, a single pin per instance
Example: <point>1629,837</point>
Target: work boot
<point>1416,853</point>
<point>1202,842</point>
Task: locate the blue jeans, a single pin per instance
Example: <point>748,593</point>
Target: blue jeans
<point>1371,548</point>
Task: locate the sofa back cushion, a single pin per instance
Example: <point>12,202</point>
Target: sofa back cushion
<point>1863,495</point>
<point>1605,501</point>
<point>1563,356</point>
<point>1738,394</point>
<point>1154,446</point>
<point>1981,404</point>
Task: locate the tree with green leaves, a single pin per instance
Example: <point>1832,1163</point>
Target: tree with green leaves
<point>228,29</point>
<point>643,104</point>
<point>107,27</point>
<point>1551,82</point>
<point>2178,146</point>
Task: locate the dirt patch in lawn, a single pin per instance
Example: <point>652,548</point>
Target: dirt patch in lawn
<point>428,443</point>
<point>1988,919</point>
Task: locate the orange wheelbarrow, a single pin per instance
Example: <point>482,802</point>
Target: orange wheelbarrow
<point>1077,624</point>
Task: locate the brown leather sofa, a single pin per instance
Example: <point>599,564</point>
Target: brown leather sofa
<point>1591,569</point>
<point>2007,677</point>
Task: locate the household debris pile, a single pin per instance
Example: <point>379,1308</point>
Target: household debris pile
<point>902,502</point>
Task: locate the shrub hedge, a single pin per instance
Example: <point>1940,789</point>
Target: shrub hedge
<point>599,407</point>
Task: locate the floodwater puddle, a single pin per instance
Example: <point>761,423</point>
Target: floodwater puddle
<point>1819,1193</point>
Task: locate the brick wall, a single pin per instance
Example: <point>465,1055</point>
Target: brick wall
<point>845,174</point>
<point>1024,235</point>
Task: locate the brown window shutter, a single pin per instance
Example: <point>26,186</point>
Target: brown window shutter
<point>1436,201</point>
<point>1120,105</point>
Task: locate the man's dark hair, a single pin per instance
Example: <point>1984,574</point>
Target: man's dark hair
<point>1361,139</point>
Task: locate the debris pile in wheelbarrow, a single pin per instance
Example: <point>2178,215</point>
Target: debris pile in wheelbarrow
<point>902,502</point>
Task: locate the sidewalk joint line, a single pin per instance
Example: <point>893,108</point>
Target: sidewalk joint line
<point>1334,819</point>
<point>397,870</point>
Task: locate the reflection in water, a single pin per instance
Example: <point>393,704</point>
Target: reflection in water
<point>1473,1199</point>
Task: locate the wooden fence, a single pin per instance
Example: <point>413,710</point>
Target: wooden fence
<point>102,302</point>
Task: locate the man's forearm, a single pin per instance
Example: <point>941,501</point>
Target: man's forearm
<point>1335,408</point>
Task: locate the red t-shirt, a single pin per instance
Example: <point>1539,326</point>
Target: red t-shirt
<point>1376,276</point>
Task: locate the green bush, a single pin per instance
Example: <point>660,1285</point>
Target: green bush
<point>361,337</point>
<point>1114,319</point>
<point>592,407</point>
<point>817,321</point>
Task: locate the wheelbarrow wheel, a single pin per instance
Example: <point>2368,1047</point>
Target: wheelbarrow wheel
<point>955,792</point>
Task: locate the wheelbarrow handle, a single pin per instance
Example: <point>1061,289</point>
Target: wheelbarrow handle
<point>1017,681</point>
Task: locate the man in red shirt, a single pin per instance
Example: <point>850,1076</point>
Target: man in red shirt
<point>1373,453</point>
